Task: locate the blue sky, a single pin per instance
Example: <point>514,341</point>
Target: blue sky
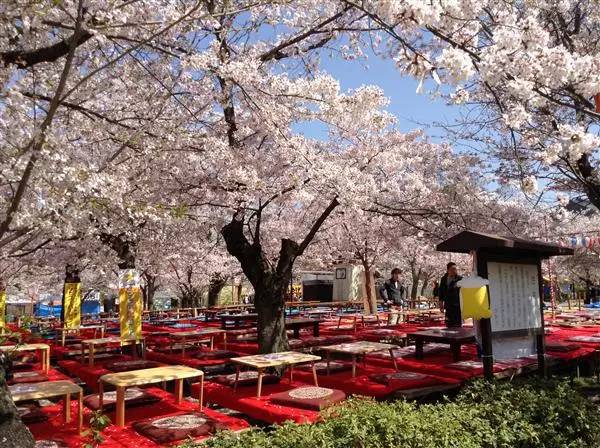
<point>411,109</point>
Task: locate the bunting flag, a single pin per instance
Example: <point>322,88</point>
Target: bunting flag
<point>72,305</point>
<point>582,241</point>
<point>130,304</point>
<point>2,308</point>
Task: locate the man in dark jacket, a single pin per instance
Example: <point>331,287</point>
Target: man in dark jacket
<point>449,296</point>
<point>393,291</point>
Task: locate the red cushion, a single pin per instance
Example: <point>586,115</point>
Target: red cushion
<point>390,378</point>
<point>242,331</point>
<point>28,377</point>
<point>248,378</point>
<point>19,366</point>
<point>176,427</point>
<point>334,367</point>
<point>338,339</point>
<point>133,397</point>
<point>590,339</point>
<point>30,413</point>
<point>561,346</point>
<point>247,338</point>
<point>215,354</point>
<point>133,364</point>
<point>315,340</point>
<point>296,343</point>
<point>309,397</point>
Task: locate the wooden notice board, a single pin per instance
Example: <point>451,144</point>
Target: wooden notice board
<point>515,296</point>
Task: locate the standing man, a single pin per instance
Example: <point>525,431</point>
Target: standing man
<point>449,296</point>
<point>393,291</point>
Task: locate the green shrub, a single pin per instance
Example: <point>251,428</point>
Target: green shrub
<point>525,414</point>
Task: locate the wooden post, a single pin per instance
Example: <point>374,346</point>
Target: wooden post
<point>80,410</point>
<point>120,406</point>
<point>178,390</point>
<point>67,408</point>
<point>540,339</point>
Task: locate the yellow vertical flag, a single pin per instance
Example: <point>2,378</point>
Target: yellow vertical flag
<point>2,308</point>
<point>72,304</point>
<point>474,300</point>
<point>130,304</point>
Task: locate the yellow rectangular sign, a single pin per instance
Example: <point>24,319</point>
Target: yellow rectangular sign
<point>2,308</point>
<point>72,304</point>
<point>130,312</point>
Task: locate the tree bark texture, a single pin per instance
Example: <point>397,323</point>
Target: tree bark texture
<point>371,299</point>
<point>217,282</point>
<point>13,433</point>
<point>269,284</point>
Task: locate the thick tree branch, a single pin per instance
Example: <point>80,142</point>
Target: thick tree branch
<point>28,58</point>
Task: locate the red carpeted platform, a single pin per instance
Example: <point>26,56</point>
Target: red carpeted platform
<point>90,374</point>
<point>245,348</point>
<point>244,400</point>
<point>115,437</point>
<point>52,375</point>
<point>127,436</point>
<point>208,365</point>
<point>365,383</point>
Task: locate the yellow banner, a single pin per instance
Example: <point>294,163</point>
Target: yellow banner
<point>2,308</point>
<point>72,304</point>
<point>475,303</point>
<point>130,312</point>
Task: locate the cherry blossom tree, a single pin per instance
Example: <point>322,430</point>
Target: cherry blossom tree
<point>525,73</point>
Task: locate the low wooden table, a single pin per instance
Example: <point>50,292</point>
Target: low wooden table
<point>197,335</point>
<point>454,337</point>
<point>123,380</point>
<point>297,323</point>
<point>63,331</point>
<point>282,359</point>
<point>237,319</point>
<point>44,349</point>
<point>359,348</point>
<point>92,343</point>
<point>50,389</point>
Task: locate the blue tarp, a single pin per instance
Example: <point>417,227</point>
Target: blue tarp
<point>42,310</point>
<point>89,307</point>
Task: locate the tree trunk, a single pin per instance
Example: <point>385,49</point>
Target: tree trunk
<point>124,249</point>
<point>371,298</point>
<point>238,292</point>
<point>149,289</point>
<point>269,303</point>
<point>415,285</point>
<point>217,282</point>
<point>13,433</point>
<point>426,279</point>
<point>269,284</point>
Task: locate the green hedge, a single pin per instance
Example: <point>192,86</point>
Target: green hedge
<point>532,413</point>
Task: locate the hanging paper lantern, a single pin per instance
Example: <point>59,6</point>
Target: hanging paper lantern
<point>574,241</point>
<point>474,300</point>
